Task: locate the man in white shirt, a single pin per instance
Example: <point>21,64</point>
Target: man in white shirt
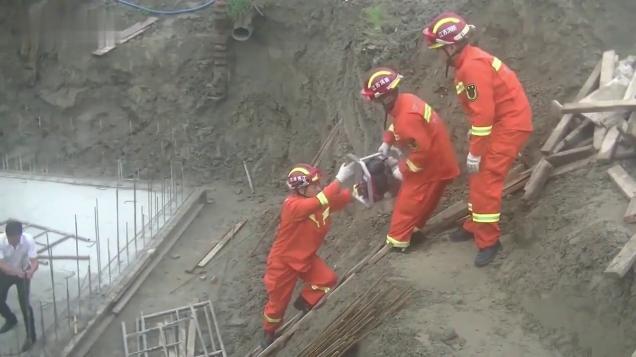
<point>18,263</point>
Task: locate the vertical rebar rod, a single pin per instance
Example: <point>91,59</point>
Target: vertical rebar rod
<point>99,247</point>
<point>90,282</point>
<point>127,243</point>
<point>43,330</point>
<point>150,206</point>
<point>143,228</point>
<point>110,278</point>
<point>50,251</point>
<point>163,199</point>
<point>171,188</point>
<point>79,289</point>
<point>183,183</point>
<point>68,302</point>
<point>135,215</point>
<point>157,211</point>
<point>117,225</point>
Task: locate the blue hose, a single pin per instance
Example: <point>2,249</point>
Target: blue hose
<point>166,12</point>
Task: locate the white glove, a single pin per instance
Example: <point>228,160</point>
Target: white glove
<point>345,172</point>
<point>472,163</point>
<point>396,172</point>
<point>384,149</point>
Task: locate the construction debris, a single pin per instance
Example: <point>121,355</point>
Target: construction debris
<point>218,246</point>
<point>623,262</point>
<point>624,181</point>
<point>164,333</point>
<point>121,37</point>
<point>364,314</point>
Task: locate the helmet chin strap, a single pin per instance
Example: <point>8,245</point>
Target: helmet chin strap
<point>450,57</point>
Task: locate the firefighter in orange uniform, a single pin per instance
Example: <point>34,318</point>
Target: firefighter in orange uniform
<point>304,222</point>
<point>430,164</point>
<point>501,123</point>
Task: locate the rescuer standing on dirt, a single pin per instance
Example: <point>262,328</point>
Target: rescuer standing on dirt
<point>18,263</point>
<point>430,164</point>
<point>304,223</point>
<point>501,123</point>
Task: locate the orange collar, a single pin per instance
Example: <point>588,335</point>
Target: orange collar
<point>461,57</point>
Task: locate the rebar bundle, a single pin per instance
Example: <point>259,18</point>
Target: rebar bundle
<point>363,315</point>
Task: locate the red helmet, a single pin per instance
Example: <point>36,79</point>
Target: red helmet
<point>302,175</point>
<point>446,29</point>
<point>380,82</point>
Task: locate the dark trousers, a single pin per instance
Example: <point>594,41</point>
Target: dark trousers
<point>24,287</point>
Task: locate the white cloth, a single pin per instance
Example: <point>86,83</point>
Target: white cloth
<point>345,172</point>
<point>18,257</point>
<point>472,163</point>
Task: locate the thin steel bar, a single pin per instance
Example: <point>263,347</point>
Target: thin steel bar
<point>150,207</point>
<point>43,330</point>
<point>198,328</point>
<point>90,281</point>
<point>79,289</point>
<point>162,340</point>
<point>110,278</point>
<point>68,302</point>
<point>143,337</point>
<point>167,312</point>
<point>117,226</point>
<point>163,199</point>
<point>157,211</point>
<point>125,337</point>
<point>143,228</point>
<point>99,247</point>
<point>209,327</point>
<point>182,183</point>
<point>52,285</point>
<point>171,188</point>
<point>216,327</point>
<point>135,215</point>
<point>127,244</point>
<point>51,230</point>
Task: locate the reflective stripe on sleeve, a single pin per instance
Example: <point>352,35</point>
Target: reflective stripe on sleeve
<point>271,320</point>
<point>412,167</point>
<point>486,217</point>
<point>496,64</point>
<point>481,130</point>
<point>322,198</point>
<point>427,112</point>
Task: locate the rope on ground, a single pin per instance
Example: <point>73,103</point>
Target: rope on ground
<point>167,12</point>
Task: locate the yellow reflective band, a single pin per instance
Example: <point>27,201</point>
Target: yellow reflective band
<point>325,215</point>
<point>496,63</point>
<point>459,87</point>
<point>391,128</point>
<point>486,217</point>
<point>445,21</point>
<point>396,243</point>
<point>427,112</point>
<point>271,320</point>
<point>412,166</point>
<point>323,288</point>
<point>436,45</point>
<point>481,130</point>
<point>299,169</point>
<point>313,218</point>
<point>376,75</point>
<point>322,198</point>
<point>395,82</point>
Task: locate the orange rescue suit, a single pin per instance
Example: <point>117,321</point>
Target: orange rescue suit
<point>501,123</point>
<point>304,223</point>
<point>429,166</point>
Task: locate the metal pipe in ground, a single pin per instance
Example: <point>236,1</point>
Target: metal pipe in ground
<point>79,289</point>
<point>50,251</point>
<point>242,28</point>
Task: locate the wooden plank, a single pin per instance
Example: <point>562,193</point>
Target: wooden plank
<point>567,121</point>
<point>612,91</point>
<point>537,180</point>
<point>624,181</point>
<point>608,64</point>
<point>562,170</point>
<point>182,341</point>
<point>623,262</point>
<point>191,339</point>
<point>599,135</point>
<point>571,155</point>
<point>630,213</point>
<point>599,106</point>
<point>609,144</point>
<point>575,136</point>
<point>229,235</point>
<point>446,217</point>
<point>127,35</point>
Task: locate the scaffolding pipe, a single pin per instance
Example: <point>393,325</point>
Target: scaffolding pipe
<point>79,289</point>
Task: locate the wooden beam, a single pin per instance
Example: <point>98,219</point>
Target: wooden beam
<point>609,144</point>
<point>571,155</point>
<point>229,235</point>
<point>600,106</point>
<point>623,262</point>
<point>567,121</point>
<point>599,135</point>
<point>562,170</point>
<point>575,136</point>
<point>537,180</point>
<point>612,91</point>
<point>624,181</point>
<point>631,89</point>
<point>608,64</point>
<point>126,35</point>
<point>630,213</point>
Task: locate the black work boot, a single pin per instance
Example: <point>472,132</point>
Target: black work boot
<point>487,255</point>
<point>461,235</point>
<point>8,325</point>
<point>268,339</point>
<point>301,305</point>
